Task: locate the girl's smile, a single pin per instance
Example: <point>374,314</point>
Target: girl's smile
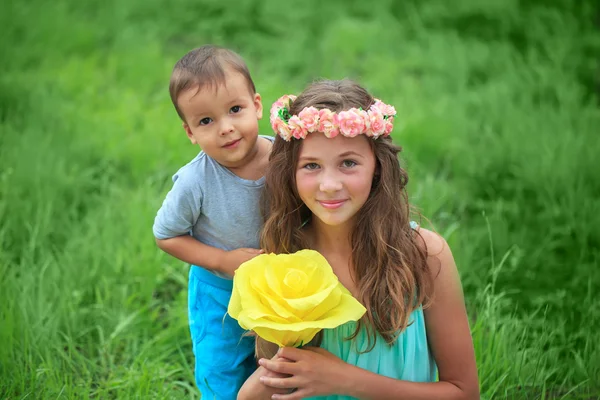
<point>332,204</point>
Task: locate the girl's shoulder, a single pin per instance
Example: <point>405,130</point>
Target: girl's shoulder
<point>436,247</point>
<point>432,241</point>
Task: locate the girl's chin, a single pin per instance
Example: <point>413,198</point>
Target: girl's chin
<point>334,222</point>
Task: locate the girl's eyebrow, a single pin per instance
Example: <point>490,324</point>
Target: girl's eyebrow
<point>351,153</point>
<point>343,155</point>
<point>307,158</point>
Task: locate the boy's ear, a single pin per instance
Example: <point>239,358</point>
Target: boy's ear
<point>258,106</point>
<point>189,133</point>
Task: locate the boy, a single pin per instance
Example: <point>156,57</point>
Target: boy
<point>211,217</point>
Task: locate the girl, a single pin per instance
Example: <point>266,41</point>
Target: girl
<point>334,185</point>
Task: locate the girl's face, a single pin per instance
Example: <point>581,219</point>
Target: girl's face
<point>334,176</point>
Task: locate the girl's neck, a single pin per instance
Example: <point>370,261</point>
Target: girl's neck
<point>331,239</point>
<point>334,243</point>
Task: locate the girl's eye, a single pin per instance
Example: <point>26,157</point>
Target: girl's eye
<point>311,166</point>
<point>236,109</point>
<point>205,121</point>
<point>348,163</point>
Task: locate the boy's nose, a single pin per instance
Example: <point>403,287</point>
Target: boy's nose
<point>226,127</point>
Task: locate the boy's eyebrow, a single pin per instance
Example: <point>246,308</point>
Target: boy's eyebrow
<point>236,100</point>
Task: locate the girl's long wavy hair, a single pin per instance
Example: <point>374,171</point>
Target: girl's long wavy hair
<point>388,264</point>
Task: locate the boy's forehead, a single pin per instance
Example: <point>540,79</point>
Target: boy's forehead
<point>232,82</point>
<point>211,93</point>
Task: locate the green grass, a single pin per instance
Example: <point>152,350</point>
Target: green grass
<point>499,105</point>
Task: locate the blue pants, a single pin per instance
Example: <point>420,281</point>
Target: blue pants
<point>224,358</point>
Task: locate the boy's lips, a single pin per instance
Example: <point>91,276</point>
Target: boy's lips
<point>231,144</point>
<point>331,204</point>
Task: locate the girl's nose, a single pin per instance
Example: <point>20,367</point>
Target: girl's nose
<point>330,182</point>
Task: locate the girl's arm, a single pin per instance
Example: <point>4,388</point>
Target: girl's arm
<point>318,372</point>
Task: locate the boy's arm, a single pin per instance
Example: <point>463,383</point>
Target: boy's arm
<point>192,251</point>
<point>175,220</point>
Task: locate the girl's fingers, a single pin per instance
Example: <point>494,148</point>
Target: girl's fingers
<point>291,353</point>
<point>279,383</point>
<point>279,366</point>
<point>318,350</point>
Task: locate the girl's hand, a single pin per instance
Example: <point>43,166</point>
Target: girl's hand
<point>273,374</point>
<point>311,371</point>
<point>254,389</point>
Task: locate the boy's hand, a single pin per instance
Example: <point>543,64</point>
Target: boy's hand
<point>231,260</point>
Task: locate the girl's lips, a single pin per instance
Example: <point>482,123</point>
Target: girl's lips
<point>231,145</point>
<point>332,204</point>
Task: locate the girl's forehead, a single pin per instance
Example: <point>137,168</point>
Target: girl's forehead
<point>318,145</point>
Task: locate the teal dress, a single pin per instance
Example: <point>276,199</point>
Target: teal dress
<point>409,358</point>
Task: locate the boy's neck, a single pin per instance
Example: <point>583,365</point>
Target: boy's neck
<point>254,168</point>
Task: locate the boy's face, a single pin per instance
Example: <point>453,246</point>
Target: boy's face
<point>223,120</point>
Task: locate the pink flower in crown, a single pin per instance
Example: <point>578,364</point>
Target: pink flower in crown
<point>273,118</point>
<point>310,118</point>
<point>389,125</point>
<point>365,116</point>
<point>297,128</point>
<point>386,109</point>
<point>276,106</point>
<point>376,122</point>
<point>351,122</point>
<point>328,123</point>
<point>282,129</point>
<point>283,102</point>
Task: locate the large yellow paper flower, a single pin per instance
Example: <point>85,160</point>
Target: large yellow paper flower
<point>288,298</point>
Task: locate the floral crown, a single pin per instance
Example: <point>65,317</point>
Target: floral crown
<point>375,122</point>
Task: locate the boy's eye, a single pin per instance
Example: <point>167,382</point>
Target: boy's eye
<point>348,163</point>
<point>205,121</point>
<point>236,109</point>
<point>311,166</point>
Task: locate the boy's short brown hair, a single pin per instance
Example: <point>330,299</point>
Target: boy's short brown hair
<point>205,66</point>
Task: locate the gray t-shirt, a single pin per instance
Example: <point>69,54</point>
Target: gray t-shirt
<point>212,204</point>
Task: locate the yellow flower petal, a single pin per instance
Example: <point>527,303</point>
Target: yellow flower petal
<point>288,298</point>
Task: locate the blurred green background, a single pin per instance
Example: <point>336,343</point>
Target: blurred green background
<point>498,102</point>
